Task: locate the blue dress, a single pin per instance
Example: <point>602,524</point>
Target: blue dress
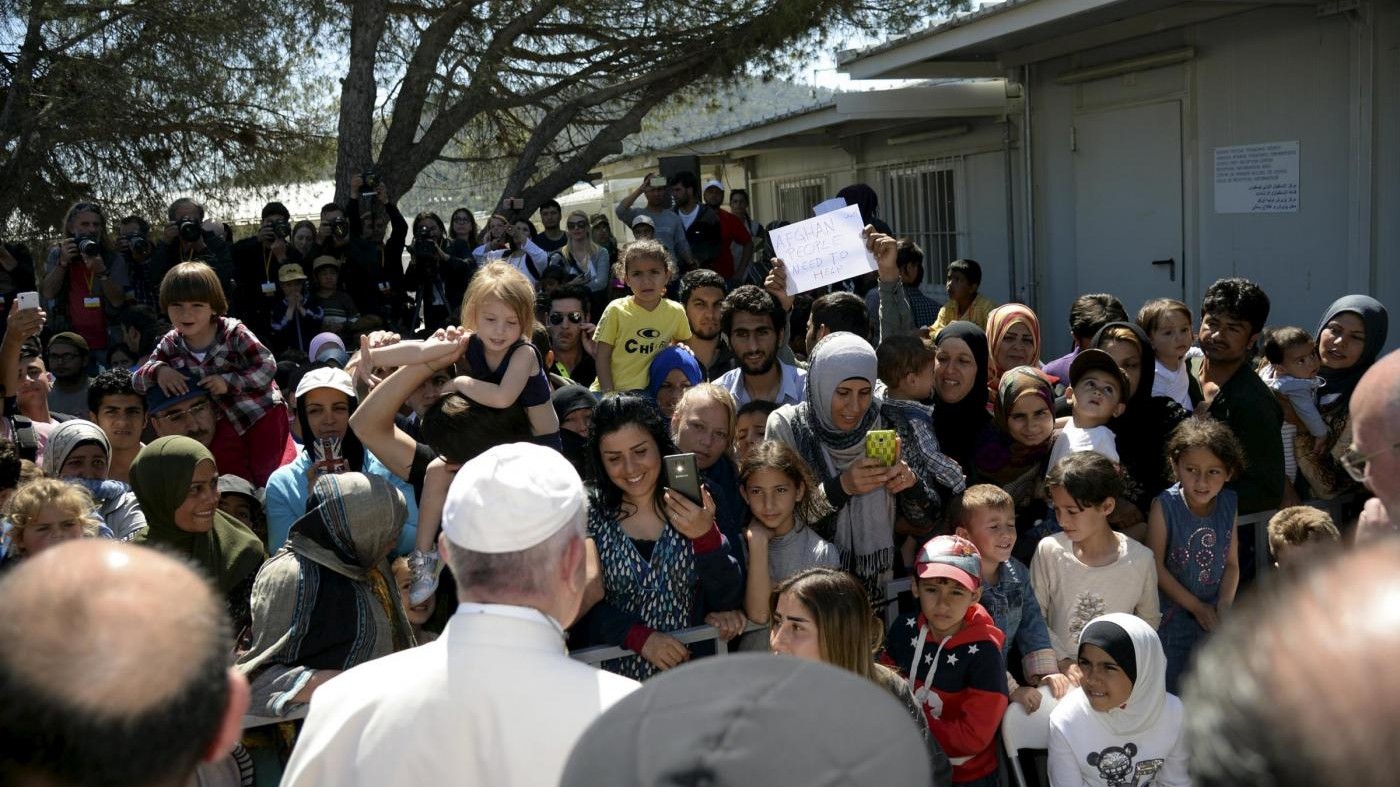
<point>1197,548</point>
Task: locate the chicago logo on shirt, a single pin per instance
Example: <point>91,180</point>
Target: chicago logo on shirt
<point>648,341</point>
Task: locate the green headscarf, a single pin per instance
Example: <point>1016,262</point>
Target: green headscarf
<point>160,477</point>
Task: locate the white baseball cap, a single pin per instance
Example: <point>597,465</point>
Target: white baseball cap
<point>326,377</point>
<point>713,184</point>
<point>511,498</point>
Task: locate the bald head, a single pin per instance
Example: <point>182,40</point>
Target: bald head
<point>106,648</point>
<point>1296,688</point>
<point>1375,412</point>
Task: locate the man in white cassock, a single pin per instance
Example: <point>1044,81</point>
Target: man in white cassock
<point>496,700</point>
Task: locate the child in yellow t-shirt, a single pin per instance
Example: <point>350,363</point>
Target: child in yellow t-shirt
<point>635,328</point>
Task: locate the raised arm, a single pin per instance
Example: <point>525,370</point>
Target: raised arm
<point>373,420</point>
<point>522,367</point>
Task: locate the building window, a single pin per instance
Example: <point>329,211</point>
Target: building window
<point>920,203</point>
<point>796,198</point>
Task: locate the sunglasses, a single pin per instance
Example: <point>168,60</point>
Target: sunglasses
<point>557,318</point>
<point>577,225</point>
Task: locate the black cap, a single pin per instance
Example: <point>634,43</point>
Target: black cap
<point>748,719</point>
<point>1089,360</point>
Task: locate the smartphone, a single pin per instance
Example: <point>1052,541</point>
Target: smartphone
<point>328,456</point>
<point>683,476</point>
<point>27,300</point>
<point>880,445</point>
<point>657,182</point>
<point>515,203</point>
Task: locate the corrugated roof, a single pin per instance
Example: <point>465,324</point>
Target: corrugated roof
<point>852,55</point>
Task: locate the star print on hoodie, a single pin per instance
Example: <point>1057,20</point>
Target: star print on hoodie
<point>960,683</point>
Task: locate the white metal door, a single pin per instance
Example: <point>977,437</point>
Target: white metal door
<point>1128,218</point>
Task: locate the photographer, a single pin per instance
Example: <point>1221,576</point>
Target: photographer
<point>439,279</point>
<point>511,243</point>
<point>134,243</point>
<point>373,272</point>
<point>86,279</point>
<point>188,238</point>
<point>256,262</point>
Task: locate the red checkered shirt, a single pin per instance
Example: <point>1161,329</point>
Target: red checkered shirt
<point>237,356</point>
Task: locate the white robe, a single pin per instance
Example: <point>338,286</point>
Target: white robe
<point>494,701</point>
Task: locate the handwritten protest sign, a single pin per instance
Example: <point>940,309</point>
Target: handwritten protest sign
<point>823,250</point>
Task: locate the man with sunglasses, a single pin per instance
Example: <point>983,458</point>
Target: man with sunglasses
<point>1374,455</point>
<point>192,414</point>
<point>570,334</point>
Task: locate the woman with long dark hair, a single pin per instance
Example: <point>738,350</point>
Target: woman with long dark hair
<point>663,561</point>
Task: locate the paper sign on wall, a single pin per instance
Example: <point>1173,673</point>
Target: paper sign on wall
<point>1257,178</point>
<point>823,250</point>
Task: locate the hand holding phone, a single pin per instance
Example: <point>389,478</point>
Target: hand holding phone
<point>27,300</point>
<point>328,456</point>
<point>881,445</point>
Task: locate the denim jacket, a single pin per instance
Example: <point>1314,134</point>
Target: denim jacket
<point>1013,607</point>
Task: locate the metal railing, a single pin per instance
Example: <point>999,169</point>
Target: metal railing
<point>894,588</point>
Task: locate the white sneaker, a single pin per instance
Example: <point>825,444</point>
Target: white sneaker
<point>425,568</point>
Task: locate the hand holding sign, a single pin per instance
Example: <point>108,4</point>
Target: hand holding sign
<point>823,250</point>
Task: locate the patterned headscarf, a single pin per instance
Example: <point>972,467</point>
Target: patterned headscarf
<point>999,321</point>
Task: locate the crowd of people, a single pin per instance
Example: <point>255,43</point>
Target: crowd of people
<point>399,479</point>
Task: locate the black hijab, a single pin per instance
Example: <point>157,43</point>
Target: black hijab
<point>1143,428</point>
<point>1341,382</point>
<point>957,425</point>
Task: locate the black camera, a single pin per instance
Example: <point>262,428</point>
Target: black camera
<point>190,231</point>
<point>87,245</point>
<point>424,244</point>
<point>371,181</point>
<point>281,229</point>
<point>137,243</point>
<point>340,227</point>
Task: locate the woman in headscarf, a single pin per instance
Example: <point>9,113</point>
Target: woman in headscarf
<point>828,430</point>
<point>1013,339</point>
<point>327,601</point>
<point>960,394</point>
<point>1146,423</point>
<point>673,370</point>
<point>1349,339</point>
<point>78,452</point>
<point>176,483</point>
<point>1013,451</point>
<point>1120,726</point>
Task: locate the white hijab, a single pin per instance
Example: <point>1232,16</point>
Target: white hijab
<point>1148,700</point>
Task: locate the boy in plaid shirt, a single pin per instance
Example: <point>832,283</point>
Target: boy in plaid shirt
<point>232,365</point>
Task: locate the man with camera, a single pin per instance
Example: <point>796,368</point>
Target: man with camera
<point>373,270</point>
<point>256,261</point>
<point>86,278</point>
<point>667,223</point>
<point>134,243</point>
<point>439,279</point>
<point>188,238</point>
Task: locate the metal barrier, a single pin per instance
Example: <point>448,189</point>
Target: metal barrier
<point>894,588</point>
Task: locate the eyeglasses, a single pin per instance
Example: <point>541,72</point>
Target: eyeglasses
<point>557,318</point>
<point>1355,462</point>
<point>64,357</point>
<point>183,415</point>
<point>578,225</point>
